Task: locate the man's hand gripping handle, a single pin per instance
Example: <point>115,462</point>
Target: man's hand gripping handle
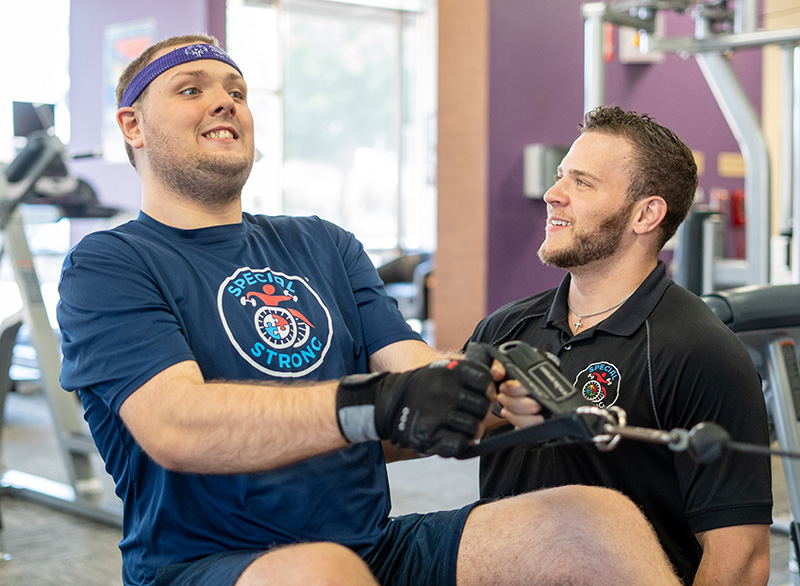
<point>539,372</point>
<point>436,409</point>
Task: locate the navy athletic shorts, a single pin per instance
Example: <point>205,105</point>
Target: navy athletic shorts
<point>416,550</point>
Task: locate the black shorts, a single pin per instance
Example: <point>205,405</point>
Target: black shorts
<point>416,550</point>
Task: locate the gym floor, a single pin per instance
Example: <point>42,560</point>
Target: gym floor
<point>50,548</point>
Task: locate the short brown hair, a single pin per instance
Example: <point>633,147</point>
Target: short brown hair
<point>662,165</point>
<point>145,57</point>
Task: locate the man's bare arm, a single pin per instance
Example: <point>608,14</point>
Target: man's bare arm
<point>734,555</point>
<point>407,355</point>
<point>189,425</point>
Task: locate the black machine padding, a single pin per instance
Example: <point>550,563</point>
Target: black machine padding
<point>757,307</point>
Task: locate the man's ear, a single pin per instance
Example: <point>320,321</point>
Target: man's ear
<point>650,212</point>
<point>128,121</point>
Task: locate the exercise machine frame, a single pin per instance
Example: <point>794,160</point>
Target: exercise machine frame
<point>709,48</point>
<point>83,494</point>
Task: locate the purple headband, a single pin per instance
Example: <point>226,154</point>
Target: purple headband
<point>180,55</point>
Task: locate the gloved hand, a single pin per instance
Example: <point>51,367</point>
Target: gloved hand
<point>480,353</point>
<point>435,409</point>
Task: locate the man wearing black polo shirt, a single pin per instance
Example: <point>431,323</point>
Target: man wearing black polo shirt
<point>626,335</point>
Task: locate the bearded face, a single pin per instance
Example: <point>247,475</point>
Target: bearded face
<point>592,240</point>
<point>206,177</point>
<point>588,208</point>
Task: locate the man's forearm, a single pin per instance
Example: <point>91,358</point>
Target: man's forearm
<point>274,425</point>
<point>732,573</point>
<point>407,355</point>
<point>735,555</point>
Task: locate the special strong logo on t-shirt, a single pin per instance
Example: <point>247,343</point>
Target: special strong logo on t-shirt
<point>599,383</point>
<point>287,329</point>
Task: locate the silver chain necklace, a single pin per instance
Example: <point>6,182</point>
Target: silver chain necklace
<point>578,323</point>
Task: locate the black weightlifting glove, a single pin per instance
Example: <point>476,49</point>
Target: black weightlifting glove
<point>480,353</point>
<point>435,409</point>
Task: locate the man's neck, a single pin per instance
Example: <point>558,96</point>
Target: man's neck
<point>603,289</point>
<point>187,214</point>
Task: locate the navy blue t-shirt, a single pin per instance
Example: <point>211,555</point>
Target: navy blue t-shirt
<point>271,298</point>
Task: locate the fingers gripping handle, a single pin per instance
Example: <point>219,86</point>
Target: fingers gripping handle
<point>435,409</point>
<point>477,352</point>
<point>538,372</point>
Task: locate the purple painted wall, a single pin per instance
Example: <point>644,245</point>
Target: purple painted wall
<point>117,184</point>
<point>536,96</point>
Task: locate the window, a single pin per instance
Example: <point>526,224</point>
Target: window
<point>43,74</point>
<point>343,97</point>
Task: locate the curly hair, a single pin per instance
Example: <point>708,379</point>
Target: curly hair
<point>662,164</point>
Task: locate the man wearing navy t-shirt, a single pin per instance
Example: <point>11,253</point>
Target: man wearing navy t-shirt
<point>239,372</point>
<point>627,336</point>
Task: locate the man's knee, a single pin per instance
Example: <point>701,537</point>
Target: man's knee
<point>592,509</point>
<point>598,529</point>
<point>605,507</point>
<point>321,564</point>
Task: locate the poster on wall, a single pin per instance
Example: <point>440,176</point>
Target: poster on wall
<point>122,44</point>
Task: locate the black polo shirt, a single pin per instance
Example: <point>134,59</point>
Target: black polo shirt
<point>669,363</point>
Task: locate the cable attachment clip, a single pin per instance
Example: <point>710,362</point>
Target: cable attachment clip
<point>616,427</point>
<point>614,416</point>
